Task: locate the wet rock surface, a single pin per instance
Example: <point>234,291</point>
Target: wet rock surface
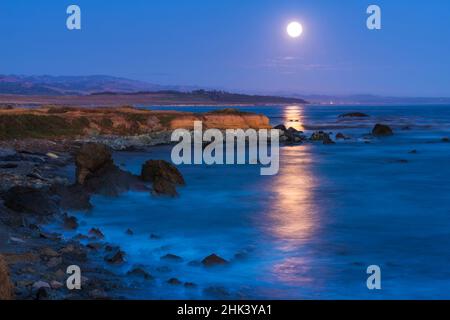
<point>164,175</point>
<point>382,130</point>
<point>30,200</point>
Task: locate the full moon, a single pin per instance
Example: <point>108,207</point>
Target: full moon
<point>294,29</point>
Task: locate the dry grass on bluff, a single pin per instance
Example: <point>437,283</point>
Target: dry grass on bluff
<point>70,122</point>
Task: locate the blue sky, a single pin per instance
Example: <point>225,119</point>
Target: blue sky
<point>236,44</point>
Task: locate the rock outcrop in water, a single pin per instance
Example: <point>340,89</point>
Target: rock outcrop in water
<point>164,176</point>
<point>354,115</point>
<point>90,159</point>
<point>97,173</point>
<point>321,136</point>
<point>382,130</point>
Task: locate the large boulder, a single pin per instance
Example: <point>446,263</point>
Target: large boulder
<point>90,158</point>
<point>30,200</point>
<point>97,173</point>
<point>153,169</point>
<point>382,130</point>
<point>165,177</point>
<point>6,286</point>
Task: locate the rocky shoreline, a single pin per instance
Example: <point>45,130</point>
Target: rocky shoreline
<point>38,188</point>
<point>35,191</point>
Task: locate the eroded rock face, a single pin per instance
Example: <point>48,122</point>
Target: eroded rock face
<point>382,130</point>
<point>97,173</point>
<point>153,169</point>
<point>6,286</point>
<point>165,177</point>
<point>91,158</point>
<point>30,200</point>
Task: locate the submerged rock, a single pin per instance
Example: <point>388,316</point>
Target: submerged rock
<point>172,257</point>
<point>174,282</point>
<point>354,115</point>
<point>70,223</point>
<point>96,233</point>
<point>382,130</point>
<point>6,286</point>
<point>139,272</point>
<point>115,257</point>
<point>213,260</point>
<point>341,136</point>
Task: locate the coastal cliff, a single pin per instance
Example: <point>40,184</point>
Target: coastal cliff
<point>75,122</point>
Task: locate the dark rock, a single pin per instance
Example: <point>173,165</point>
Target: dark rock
<point>190,285</point>
<point>164,187</point>
<point>340,136</point>
<point>154,169</point>
<point>110,181</point>
<point>213,260</point>
<point>354,115</point>
<point>95,232</point>
<point>6,285</point>
<point>321,136</point>
<point>30,200</point>
<point>174,282</point>
<point>97,173</point>
<point>154,237</point>
<point>90,158</point>
<point>165,177</point>
<point>94,246</point>
<point>382,130</point>
<point>115,257</point>
<point>328,140</point>
<point>172,257</point>
<point>139,272</point>
<point>70,223</point>
<point>445,139</point>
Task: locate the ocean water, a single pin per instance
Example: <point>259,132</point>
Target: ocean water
<point>309,232</point>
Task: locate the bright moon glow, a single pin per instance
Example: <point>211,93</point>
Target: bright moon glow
<point>294,29</point>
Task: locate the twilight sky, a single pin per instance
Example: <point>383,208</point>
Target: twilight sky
<point>236,44</point>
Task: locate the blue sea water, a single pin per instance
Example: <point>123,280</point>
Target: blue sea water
<point>309,232</point>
